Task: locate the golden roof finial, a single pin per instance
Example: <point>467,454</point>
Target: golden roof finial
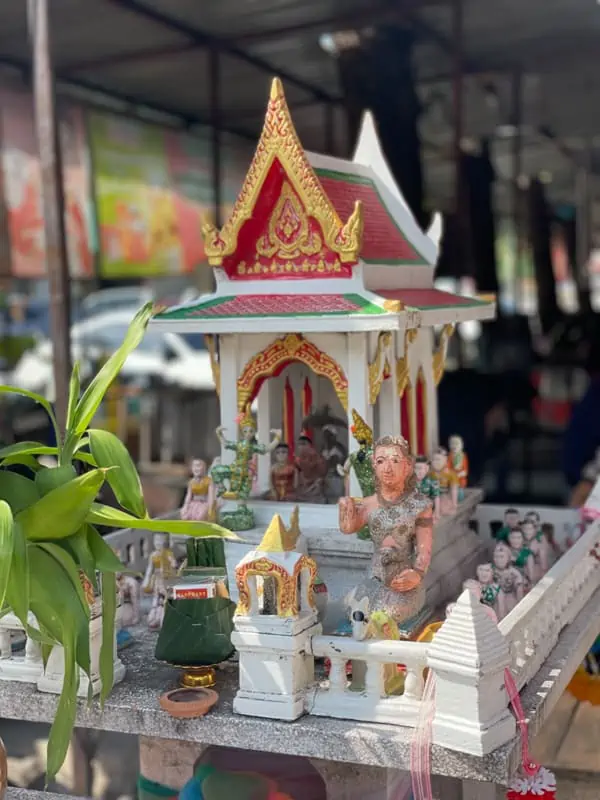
<point>360,430</point>
<point>277,538</point>
<point>294,529</point>
<point>276,89</point>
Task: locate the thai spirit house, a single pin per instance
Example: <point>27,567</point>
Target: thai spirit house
<point>324,295</point>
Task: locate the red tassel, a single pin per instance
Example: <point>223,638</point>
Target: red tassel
<point>541,786</point>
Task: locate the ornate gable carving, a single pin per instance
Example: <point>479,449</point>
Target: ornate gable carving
<point>291,233</point>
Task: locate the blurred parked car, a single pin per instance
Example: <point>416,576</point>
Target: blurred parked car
<point>176,359</point>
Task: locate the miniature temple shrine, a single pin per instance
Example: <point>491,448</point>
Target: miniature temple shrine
<point>324,296</point>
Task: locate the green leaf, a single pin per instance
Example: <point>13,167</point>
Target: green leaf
<point>17,490</point>
<point>17,592</point>
<point>70,567</point>
<point>105,558</point>
<point>74,390</point>
<point>49,478</point>
<point>37,398</point>
<point>79,548</point>
<point>87,458</point>
<point>94,394</point>
<point>7,544</point>
<point>26,449</point>
<point>23,460</point>
<point>107,649</point>
<point>62,511</point>
<point>109,451</point>
<point>115,518</point>
<point>64,720</point>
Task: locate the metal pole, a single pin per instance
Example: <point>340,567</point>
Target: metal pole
<point>329,124</point>
<point>517,166</point>
<point>52,203</point>
<point>214,69</point>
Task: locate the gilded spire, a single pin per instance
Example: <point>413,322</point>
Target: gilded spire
<point>277,538</point>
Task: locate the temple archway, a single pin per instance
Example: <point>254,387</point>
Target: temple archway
<point>277,356</point>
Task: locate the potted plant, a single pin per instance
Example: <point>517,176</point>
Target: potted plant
<point>50,549</point>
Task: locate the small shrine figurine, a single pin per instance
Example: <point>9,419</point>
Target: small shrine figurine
<point>162,566</point>
<point>509,579</point>
<point>511,521</point>
<point>238,475</point>
<point>537,543</point>
<point>400,521</point>
<point>522,557</point>
<point>234,481</point>
<point>446,479</point>
<point>283,475</point>
<point>335,455</point>
<point>361,460</point>
<point>458,463</point>
<point>428,485</point>
<point>129,595</point>
<point>199,502</point>
<point>488,585</point>
<point>312,469</point>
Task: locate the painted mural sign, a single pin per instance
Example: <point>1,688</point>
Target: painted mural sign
<point>152,188</point>
<point>22,188</point>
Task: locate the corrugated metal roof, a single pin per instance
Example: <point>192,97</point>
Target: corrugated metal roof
<point>154,53</point>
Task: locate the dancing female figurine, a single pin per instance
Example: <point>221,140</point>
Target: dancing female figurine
<point>199,503</point>
<point>238,475</point>
<point>400,521</point>
<point>361,460</point>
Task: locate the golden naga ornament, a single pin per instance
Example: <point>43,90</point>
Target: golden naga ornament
<point>440,355</point>
<point>380,366</point>
<point>215,366</point>
<point>279,142</point>
<point>403,365</point>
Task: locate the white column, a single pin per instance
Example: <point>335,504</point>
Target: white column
<point>230,368</point>
<point>264,426</point>
<point>433,432</point>
<point>358,387</point>
<point>468,656</point>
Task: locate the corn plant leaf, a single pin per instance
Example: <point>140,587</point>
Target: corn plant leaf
<point>105,558</point>
<point>7,544</point>
<point>17,591</point>
<point>107,649</point>
<point>17,490</point>
<point>37,398</point>
<point>66,561</point>
<point>93,396</point>
<point>49,478</point>
<point>74,391</point>
<point>79,548</point>
<point>64,720</point>
<point>24,460</point>
<point>109,451</point>
<point>57,607</point>
<point>87,458</point>
<point>62,511</point>
<point>25,449</point>
<point>115,518</point>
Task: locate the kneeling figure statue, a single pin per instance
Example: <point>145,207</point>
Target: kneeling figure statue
<point>400,521</point>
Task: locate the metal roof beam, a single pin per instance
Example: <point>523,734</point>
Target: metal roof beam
<point>131,105</point>
<point>205,39</point>
<point>128,58</point>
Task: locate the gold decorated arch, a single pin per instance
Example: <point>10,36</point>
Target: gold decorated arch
<point>288,599</point>
<point>279,354</point>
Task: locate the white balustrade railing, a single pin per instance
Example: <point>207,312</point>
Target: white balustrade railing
<point>532,628</point>
<point>26,667</point>
<point>335,698</point>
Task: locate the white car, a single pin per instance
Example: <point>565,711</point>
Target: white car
<point>176,359</point>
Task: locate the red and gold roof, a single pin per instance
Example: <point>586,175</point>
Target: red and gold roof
<point>283,224</point>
